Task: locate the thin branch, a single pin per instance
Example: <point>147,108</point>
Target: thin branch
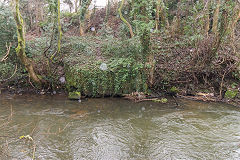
<point>7,53</point>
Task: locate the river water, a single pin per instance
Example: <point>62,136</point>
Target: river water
<point>114,129</point>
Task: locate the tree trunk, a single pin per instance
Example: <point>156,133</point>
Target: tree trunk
<point>124,20</point>
<point>37,16</point>
<point>235,18</point>
<point>59,28</point>
<point>21,45</point>
<point>81,29</point>
<point>83,11</point>
<point>161,11</point>
<point>107,11</point>
<point>76,6</point>
<point>163,14</point>
<point>216,17</point>
<point>157,15</point>
<point>206,17</point>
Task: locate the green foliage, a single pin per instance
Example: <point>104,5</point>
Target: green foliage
<point>162,100</point>
<point>236,74</point>
<point>83,9</point>
<point>7,29</point>
<point>74,95</point>
<point>174,90</point>
<point>8,35</point>
<point>49,25</point>
<point>36,47</point>
<point>80,49</point>
<point>231,93</point>
<point>107,32</point>
<point>142,13</point>
<point>125,68</point>
<point>126,48</point>
<point>6,69</point>
<point>143,10</point>
<point>52,6</point>
<point>124,75</point>
<point>70,20</point>
<point>192,20</point>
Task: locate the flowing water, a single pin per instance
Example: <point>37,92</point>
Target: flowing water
<point>114,129</point>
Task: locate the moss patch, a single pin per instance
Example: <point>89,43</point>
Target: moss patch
<point>231,93</point>
<point>74,95</point>
<point>163,100</point>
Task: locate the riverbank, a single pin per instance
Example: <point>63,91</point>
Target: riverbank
<point>156,98</point>
<point>106,66</point>
<point>185,61</point>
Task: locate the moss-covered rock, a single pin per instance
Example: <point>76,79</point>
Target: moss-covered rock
<point>74,95</point>
<point>231,93</point>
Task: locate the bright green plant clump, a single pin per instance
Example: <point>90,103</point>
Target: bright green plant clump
<point>162,100</point>
<point>174,90</point>
<point>74,95</point>
<point>231,93</point>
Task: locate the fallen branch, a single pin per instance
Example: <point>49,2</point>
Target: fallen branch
<point>200,98</point>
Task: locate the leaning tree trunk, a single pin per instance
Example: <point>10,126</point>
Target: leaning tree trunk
<point>21,46</point>
<point>124,20</point>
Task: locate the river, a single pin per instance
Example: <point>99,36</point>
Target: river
<point>116,129</point>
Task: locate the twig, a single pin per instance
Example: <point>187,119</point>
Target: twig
<point>7,53</point>
<point>29,80</point>
<point>33,130</point>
